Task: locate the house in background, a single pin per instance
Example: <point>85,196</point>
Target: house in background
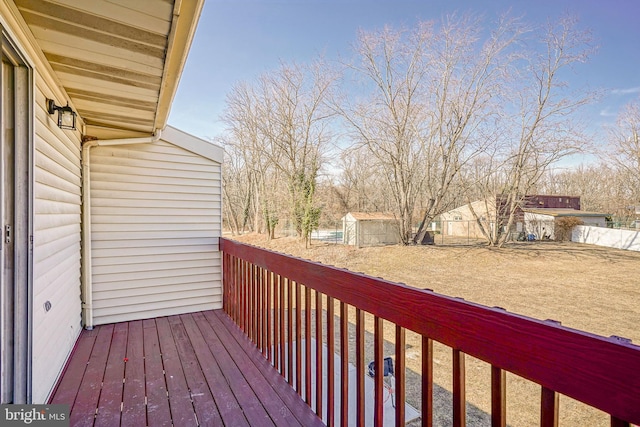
<point>115,216</point>
<point>462,222</point>
<point>369,229</point>
<point>541,222</point>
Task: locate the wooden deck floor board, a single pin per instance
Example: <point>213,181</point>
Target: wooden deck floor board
<point>158,413</point>
<point>179,370</point>
<point>84,408</point>
<point>227,402</point>
<point>67,388</point>
<point>182,411</point>
<point>133,405</point>
<point>265,394</point>
<point>203,403</point>
<point>251,407</point>
<point>288,395</point>
<point>108,413</point>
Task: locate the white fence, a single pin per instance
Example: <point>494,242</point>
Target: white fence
<point>611,237</point>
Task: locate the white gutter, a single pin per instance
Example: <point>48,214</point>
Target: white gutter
<point>87,285</point>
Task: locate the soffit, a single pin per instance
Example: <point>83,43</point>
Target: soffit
<point>119,61</point>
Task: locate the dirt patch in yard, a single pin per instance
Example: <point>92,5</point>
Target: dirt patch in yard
<point>585,287</point>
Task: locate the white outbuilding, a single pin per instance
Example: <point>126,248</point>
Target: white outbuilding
<point>370,229</point>
<point>541,222</point>
<point>155,220</point>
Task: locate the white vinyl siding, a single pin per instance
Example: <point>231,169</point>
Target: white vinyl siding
<point>56,247</point>
<point>155,225</point>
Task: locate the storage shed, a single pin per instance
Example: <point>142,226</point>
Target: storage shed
<point>370,229</point>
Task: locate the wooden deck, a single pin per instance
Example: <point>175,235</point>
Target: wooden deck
<point>186,370</point>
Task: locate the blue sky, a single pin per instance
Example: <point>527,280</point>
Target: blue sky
<point>238,40</point>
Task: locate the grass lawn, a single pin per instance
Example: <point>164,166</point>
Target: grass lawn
<point>585,287</point>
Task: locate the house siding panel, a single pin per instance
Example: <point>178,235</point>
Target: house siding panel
<point>56,246</point>
<point>156,220</point>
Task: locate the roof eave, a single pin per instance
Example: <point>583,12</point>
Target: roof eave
<point>183,27</point>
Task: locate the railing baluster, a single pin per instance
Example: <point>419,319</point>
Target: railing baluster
<point>319,351</point>
<point>498,397</point>
<point>248,270</point>
<point>265,312</point>
<point>254,304</point>
<point>266,330</point>
<point>227,269</point>
<point>252,298</point>
<point>330,362</point>
<point>617,422</point>
<point>283,360</point>
<point>307,344</point>
<point>239,284</point>
<point>344,363</point>
<point>259,313</point>
<point>459,407</point>
<point>298,340</point>
<point>225,284</point>
<point>276,323</point>
<point>549,408</point>
<point>378,409</point>
<point>269,307</point>
<point>427,381</point>
<point>236,290</point>
<point>245,295</point>
<point>360,366</point>
<point>290,332</point>
<point>400,375</point>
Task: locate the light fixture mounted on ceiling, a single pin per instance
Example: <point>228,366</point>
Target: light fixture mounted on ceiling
<point>66,115</point>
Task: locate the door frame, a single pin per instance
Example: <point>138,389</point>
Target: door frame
<point>19,382</point>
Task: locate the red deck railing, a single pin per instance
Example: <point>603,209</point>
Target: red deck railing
<point>263,294</point>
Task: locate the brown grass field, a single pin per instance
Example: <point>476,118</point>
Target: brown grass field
<point>585,287</point>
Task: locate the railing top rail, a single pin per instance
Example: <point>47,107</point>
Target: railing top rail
<point>601,372</point>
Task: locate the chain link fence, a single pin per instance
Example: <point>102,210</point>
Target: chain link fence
<point>446,233</point>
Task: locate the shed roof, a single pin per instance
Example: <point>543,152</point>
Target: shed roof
<point>564,212</point>
<point>194,144</point>
<point>370,216</point>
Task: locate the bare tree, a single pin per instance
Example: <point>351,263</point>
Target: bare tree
<point>236,197</point>
<point>598,185</point>
<point>280,126</point>
<point>428,93</point>
<point>539,124</point>
<point>360,187</point>
<point>624,150</point>
<point>296,126</point>
<point>255,167</point>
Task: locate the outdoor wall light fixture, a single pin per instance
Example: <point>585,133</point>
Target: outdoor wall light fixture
<point>66,115</point>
